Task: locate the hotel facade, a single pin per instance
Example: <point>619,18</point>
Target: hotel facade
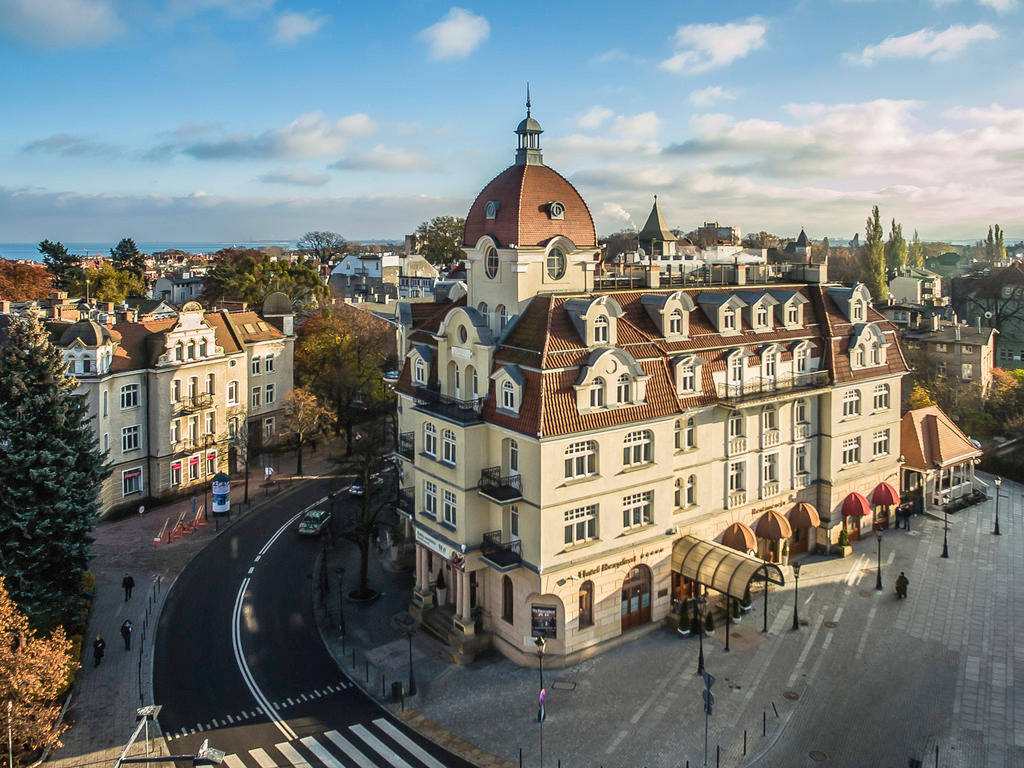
<point>577,459</point>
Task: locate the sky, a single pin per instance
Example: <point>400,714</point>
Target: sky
<point>234,120</point>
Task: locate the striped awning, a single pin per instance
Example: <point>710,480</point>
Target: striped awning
<point>720,567</point>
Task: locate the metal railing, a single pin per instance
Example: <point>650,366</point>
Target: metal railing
<point>194,403</point>
<point>762,387</point>
<point>502,488</point>
<point>501,553</point>
<point>455,408</point>
<point>406,500</point>
<point>407,445</point>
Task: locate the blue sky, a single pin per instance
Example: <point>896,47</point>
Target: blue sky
<point>255,119</point>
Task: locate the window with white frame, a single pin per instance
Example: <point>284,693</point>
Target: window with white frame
<point>508,395</point>
<point>581,524</point>
<point>175,431</point>
<point>858,357</point>
<point>430,440</point>
<point>268,363</point>
<point>966,371</point>
<point>430,499</point>
<point>940,368</point>
<point>232,393</point>
<point>622,392</point>
<point>597,393</point>
<point>851,451</point>
<point>637,509</point>
<point>851,402</point>
<point>581,459</point>
<point>268,428</point>
<point>448,446</point>
<point>675,322</point>
<point>176,391</point>
<point>211,463</point>
<point>737,476</point>
<point>193,467</point>
<point>857,311</point>
<point>193,387</point>
<point>129,396</point>
<point>638,448</point>
<point>419,372</point>
<point>876,354</point>
<point>175,478</point>
<point>678,498</point>
<point>130,438</point>
<point>800,459</point>
<point>678,435</point>
<point>211,383</point>
<point>233,427</point>
<point>269,394</point>
<point>211,422</point>
<point>106,442</point>
<point>792,316</point>
<point>770,365</point>
<point>880,443</point>
<point>803,357</point>
<point>502,317</point>
<point>601,329</point>
<point>762,317</point>
<point>800,411</point>
<point>131,481</point>
<point>690,434</point>
<point>881,397</point>
<point>691,491</point>
<point>687,378</point>
<point>103,401</point>
<point>770,468</point>
<point>202,347</point>
<point>736,366</point>
<point>968,349</point>
<point>449,507</point>
<point>769,418</point>
<point>729,319</point>
<point>735,425</point>
<point>256,366</point>
<point>257,395</point>
<point>179,352</point>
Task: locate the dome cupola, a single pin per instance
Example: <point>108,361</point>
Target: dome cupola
<point>529,131</point>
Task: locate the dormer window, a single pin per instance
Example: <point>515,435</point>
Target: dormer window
<point>556,210</point>
<point>770,365</point>
<point>508,396</point>
<point>802,358</point>
<point>491,209</point>
<point>876,355</point>
<point>857,311</point>
<point>762,317</point>
<point>419,372</point>
<point>491,260</point>
<point>601,329</point>
<point>729,319</point>
<point>687,378</point>
<point>202,348</point>
<point>675,322</point>
<point>622,389</point>
<point>556,264</point>
<point>793,316</point>
<point>597,393</point>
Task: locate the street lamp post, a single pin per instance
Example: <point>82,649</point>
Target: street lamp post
<point>412,676</point>
<point>341,602</point>
<point>541,714</point>
<point>701,604</point>
<point>765,628</point>
<point>945,533</point>
<point>796,590</point>
<point>995,531</point>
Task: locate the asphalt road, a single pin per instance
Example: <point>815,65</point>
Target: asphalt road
<point>239,660</point>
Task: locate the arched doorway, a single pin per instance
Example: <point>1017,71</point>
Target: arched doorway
<point>636,598</point>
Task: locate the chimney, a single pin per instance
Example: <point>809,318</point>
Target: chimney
<point>653,276</point>
<point>957,331</point>
<point>979,324</point>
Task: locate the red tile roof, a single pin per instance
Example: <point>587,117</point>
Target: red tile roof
<point>930,439</point>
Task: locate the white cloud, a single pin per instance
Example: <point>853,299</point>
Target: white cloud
<point>594,118</point>
<point>66,145</point>
<point>999,6</point>
<point>708,97</point>
<point>925,44</point>
<point>296,178</point>
<point>381,158</point>
<point>456,35</point>
<point>60,23</point>
<point>644,125</point>
<point>291,27</point>
<point>701,47</point>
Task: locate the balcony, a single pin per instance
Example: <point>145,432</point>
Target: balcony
<point>504,554</point>
<point>737,445</point>
<point>194,403</point>
<point>732,393</point>
<point>407,445</point>
<point>737,499</point>
<point>453,408</point>
<point>500,488</point>
<point>406,500</point>
<point>801,431</point>
<point>769,489</point>
<point>769,438</point>
<point>801,480</point>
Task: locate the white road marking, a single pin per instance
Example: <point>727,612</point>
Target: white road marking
<point>257,558</point>
<point>245,715</point>
<point>233,761</point>
<point>215,723</point>
<point>322,754</point>
<point>316,693</point>
<point>866,632</point>
<point>293,757</point>
<point>251,569</point>
<point>199,727</point>
<point>350,751</point>
<point>260,756</point>
<point>379,746</point>
<point>303,697</point>
<point>413,748</point>
<point>229,719</point>
<point>290,702</point>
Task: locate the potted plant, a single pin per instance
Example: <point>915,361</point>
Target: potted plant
<point>684,618</point>
<point>843,547</point>
<point>709,623</point>
<point>441,588</point>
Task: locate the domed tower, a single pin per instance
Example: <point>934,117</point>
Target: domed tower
<point>529,231</point>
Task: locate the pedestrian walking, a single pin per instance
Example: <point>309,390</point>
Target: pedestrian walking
<point>97,650</point>
<point>126,633</point>
<point>128,583</point>
<point>902,582</point>
<point>313,444</point>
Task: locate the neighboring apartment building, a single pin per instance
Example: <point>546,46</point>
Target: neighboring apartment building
<point>576,460</point>
<point>168,397</point>
<point>917,286</point>
<point>958,351</point>
<point>178,289</point>
<point>997,300</point>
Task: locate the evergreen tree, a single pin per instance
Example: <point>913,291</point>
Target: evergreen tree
<point>1000,246</point>
<point>897,248</point>
<point>990,245</point>
<point>916,253</point>
<point>65,267</point>
<point>125,257</point>
<point>874,259</point>
<point>49,479</point>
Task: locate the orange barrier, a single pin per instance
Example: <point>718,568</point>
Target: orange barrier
<point>159,538</point>
<point>198,522</point>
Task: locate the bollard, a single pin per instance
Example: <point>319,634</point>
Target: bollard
<point>936,756</point>
<point>383,688</point>
<point>776,711</point>
<point>367,671</point>
<point>718,756</point>
<point>744,742</point>
<point>520,757</point>
<point>403,698</point>
<point>764,723</point>
<point>353,658</point>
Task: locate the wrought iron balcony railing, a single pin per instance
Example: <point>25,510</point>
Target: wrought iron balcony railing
<point>501,488</point>
<point>194,403</point>
<point>764,387</point>
<point>407,445</point>
<point>465,411</point>
<point>502,553</point>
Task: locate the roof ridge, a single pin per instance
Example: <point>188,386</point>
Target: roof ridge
<point>541,411</point>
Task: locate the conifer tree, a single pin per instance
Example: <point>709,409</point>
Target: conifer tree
<point>897,248</point>
<point>874,261</point>
<point>49,479</point>
<point>1000,246</point>
<point>916,253</point>
<point>64,266</point>
<point>125,257</point>
<point>990,245</point>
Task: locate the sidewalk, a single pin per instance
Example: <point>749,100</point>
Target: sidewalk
<point>104,698</point>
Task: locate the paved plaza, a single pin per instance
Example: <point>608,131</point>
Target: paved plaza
<point>868,681</point>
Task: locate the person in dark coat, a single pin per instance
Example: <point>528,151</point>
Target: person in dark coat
<point>126,633</point>
<point>902,582</point>
<point>129,584</point>
<point>97,650</point>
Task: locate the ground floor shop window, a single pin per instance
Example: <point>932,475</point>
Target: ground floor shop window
<point>586,598</point>
<point>131,481</point>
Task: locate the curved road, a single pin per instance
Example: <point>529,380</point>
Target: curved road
<point>239,659</point>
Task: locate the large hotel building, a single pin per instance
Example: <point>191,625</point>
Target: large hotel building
<point>575,459</point>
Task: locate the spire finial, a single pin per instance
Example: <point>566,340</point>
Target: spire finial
<point>527,99</point>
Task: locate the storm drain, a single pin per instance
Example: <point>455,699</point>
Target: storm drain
<point>791,695</point>
<point>817,756</point>
<point>564,685</point>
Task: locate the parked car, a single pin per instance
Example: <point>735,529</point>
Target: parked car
<point>391,376</point>
<point>314,522</point>
<point>356,489</point>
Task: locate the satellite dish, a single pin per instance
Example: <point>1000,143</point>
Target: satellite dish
<point>988,315</point>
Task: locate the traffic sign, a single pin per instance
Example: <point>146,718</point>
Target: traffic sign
<point>709,701</point>
<point>709,680</point>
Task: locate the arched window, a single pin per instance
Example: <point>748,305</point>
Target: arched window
<point>762,317</point>
<point>482,309</point>
<point>506,599</point>
<point>419,372</point>
<point>679,493</point>
<point>556,264</point>
<point>581,459</point>
<point>675,322</point>
<point>491,261</point>
<point>601,329</point>
<point>211,382</point>
<point>179,351</point>
<point>193,387</point>
<point>430,440</point>
<point>876,354</point>
<point>736,425</point>
<point>622,388</point>
<point>858,357</point>
<point>191,350</point>
<point>691,490</point>
<point>690,434</point>
<point>202,348</point>
<point>679,435</point>
<point>508,395</point>
<point>513,461</point>
<point>448,446</point>
<point>587,604</point>
<point>597,393</point>
<point>502,312</point>
<point>638,448</point>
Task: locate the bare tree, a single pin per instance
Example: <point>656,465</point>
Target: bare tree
<point>323,245</point>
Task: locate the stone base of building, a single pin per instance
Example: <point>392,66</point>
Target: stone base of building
<point>561,661</point>
<point>461,637</point>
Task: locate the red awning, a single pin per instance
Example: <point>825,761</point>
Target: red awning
<point>855,505</point>
<point>885,495</point>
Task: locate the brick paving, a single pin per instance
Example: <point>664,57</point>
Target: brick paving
<point>104,699</point>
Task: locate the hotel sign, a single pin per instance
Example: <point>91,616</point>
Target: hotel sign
<point>436,545</point>
<point>628,560</point>
<point>544,621</point>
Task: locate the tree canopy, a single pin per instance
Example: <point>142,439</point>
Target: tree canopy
<point>64,266</point>
<point>874,258</point>
<point>126,257</point>
<point>323,245</point>
<point>108,284</point>
<point>241,274</point>
<point>896,248</point>
<point>24,282</point>
<point>303,421</point>
<point>441,239</point>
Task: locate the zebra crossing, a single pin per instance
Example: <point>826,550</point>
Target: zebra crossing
<point>378,744</point>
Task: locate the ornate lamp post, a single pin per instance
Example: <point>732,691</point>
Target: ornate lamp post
<point>878,573</point>
<point>341,606</point>
<point>999,482</point>
<point>796,589</point>
<point>541,714</point>
<point>765,628</point>
<point>945,533</point>
<point>701,603</point>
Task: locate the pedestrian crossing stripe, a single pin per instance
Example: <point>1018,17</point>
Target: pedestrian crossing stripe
<point>321,754</point>
<point>262,758</point>
<point>294,758</point>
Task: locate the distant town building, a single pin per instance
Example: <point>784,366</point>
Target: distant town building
<point>713,233</point>
<point>917,286</point>
<point>178,289</point>
<point>958,351</point>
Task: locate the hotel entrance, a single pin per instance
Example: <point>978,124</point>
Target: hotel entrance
<point>636,598</point>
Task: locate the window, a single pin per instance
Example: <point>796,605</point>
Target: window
<point>737,476</point>
<point>211,383</point>
<point>211,422</point>
<point>513,459</point>
<point>803,357</point>
<point>601,329</point>
<point>202,348</point>
<point>622,389</point>
<point>637,448</point>
<point>880,443</point>
<point>502,317</point>
<point>448,447</point>
<point>966,371</point>
<point>268,428</point>
<point>191,350</point>
<point>449,507</point>
<point>687,378</point>
<point>581,524</point>
<point>175,431</point>
<point>508,395</point>
<point>800,459</point>
<point>690,434</point>
<point>876,355</point>
<point>193,388</point>
<point>762,317</point>
<point>940,347</point>
<point>430,499</point>
<point>256,366</point>
<point>257,393</point>
<point>193,467</point>
<point>851,402</point>
<point>857,310</point>
<point>176,473</point>
<point>268,394</point>
<point>675,322</point>
<point>792,316</point>
<point>851,451</point>
<point>729,319</point>
<point>1005,354</point>
<point>881,397</point>
<point>800,411</point>
<point>430,440</point>
<point>736,425</point>
<point>86,365</point>
<point>940,368</point>
<point>179,355</point>
<point>586,599</point>
<point>506,599</point>
<point>211,463</point>
<point>581,459</point>
<point>691,491</point>
<point>556,264</point>
<point>232,393</point>
<point>103,401</point>
<point>770,468</point>
<point>419,372</point>
<point>678,435</point>
<point>176,391</point>
<point>679,493</point>
<point>768,419</point>
<point>482,309</point>
<point>736,370</point>
<point>233,427</point>
<point>968,349</point>
<point>130,438</point>
<point>597,393</point>
<point>859,357</point>
<point>637,509</point>
<point>131,481</point>
<point>193,428</point>
<point>268,363</point>
<point>491,261</point>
